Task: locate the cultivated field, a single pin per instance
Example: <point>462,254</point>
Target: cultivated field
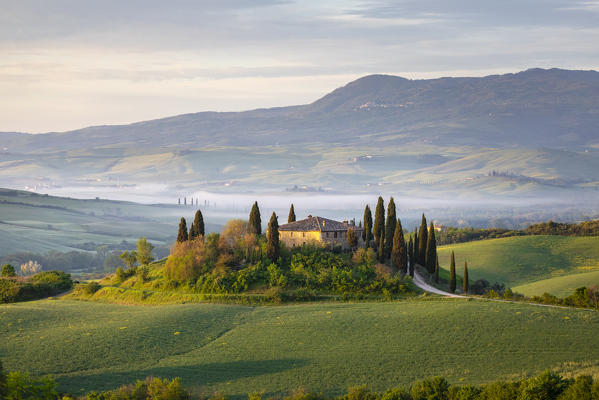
<point>522,260</point>
<point>323,346</point>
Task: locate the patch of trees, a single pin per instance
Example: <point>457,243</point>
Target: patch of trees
<point>586,228</point>
<point>241,258</point>
<point>14,288</point>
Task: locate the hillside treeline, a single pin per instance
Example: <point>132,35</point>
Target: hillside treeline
<point>451,235</point>
<point>546,386</point>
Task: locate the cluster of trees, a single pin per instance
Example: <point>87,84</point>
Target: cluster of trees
<point>587,228</point>
<point>546,386</point>
<point>49,283</point>
<point>386,237</point>
<point>241,258</point>
<point>142,256</point>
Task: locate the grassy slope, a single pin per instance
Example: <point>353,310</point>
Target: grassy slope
<point>324,347</point>
<point>560,286</point>
<point>522,260</point>
<point>30,222</point>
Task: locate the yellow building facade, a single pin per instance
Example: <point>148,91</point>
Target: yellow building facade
<point>318,230</point>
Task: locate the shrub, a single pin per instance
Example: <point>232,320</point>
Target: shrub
<point>91,288</point>
<point>436,388</point>
<point>547,386</point>
<point>8,271</point>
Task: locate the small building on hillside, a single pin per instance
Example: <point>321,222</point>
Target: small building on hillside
<point>318,230</point>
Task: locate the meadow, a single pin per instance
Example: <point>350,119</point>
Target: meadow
<point>323,347</point>
<point>561,262</point>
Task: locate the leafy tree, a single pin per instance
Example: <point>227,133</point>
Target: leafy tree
<point>197,226</point>
<point>452,278</point>
<point>378,230</point>
<point>390,228</point>
<point>423,237</point>
<point>430,389</point>
<point>291,216</point>
<point>367,232</point>
<point>431,250</point>
<point>8,271</point>
<point>182,235</point>
<point>399,253</point>
<point>352,238</point>
<point>466,285</point>
<point>580,389</point>
<point>144,251</point>
<point>272,238</point>
<point>255,221</point>
<point>129,258</point>
<point>547,386</point>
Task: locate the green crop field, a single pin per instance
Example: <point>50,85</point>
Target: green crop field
<point>522,260</point>
<point>322,346</point>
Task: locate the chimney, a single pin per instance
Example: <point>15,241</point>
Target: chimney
<point>345,221</point>
<point>352,222</point>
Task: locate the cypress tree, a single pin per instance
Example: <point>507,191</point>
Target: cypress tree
<point>415,249</point>
<point>380,253</point>
<point>352,238</point>
<point>431,250</point>
<point>390,228</point>
<point>466,285</point>
<point>378,230</point>
<point>437,269</point>
<point>291,217</point>
<point>272,239</point>
<point>198,224</point>
<point>367,232</point>
<point>410,254</point>
<point>192,233</point>
<point>399,253</point>
<point>422,236</point>
<point>182,234</point>
<point>452,279</point>
<point>255,222</point>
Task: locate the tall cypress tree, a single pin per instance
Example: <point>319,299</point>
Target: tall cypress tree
<point>255,222</point>
<point>466,285</point>
<point>291,217</point>
<point>272,239</point>
<point>367,232</point>
<point>437,269</point>
<point>415,244</point>
<point>182,235</point>
<point>431,250</point>
<point>197,226</point>
<point>378,229</point>
<point>399,252</point>
<point>410,255</point>
<point>390,228</point>
<point>452,279</point>
<point>422,237</point>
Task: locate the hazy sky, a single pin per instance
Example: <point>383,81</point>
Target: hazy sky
<point>66,64</point>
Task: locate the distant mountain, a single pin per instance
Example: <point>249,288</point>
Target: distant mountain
<point>549,108</point>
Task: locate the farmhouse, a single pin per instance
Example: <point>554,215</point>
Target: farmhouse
<point>317,230</point>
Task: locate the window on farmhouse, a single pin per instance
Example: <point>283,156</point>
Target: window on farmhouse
<point>335,235</point>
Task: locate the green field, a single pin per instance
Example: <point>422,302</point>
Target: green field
<point>322,346</point>
<point>560,286</point>
<point>522,260</point>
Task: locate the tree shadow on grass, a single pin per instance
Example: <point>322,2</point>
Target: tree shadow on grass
<point>196,375</point>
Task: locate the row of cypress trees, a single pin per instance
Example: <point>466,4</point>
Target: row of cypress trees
<point>452,276</point>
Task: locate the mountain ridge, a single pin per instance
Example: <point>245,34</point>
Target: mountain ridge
<point>496,110</point>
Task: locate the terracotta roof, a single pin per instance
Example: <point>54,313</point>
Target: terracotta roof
<point>317,224</point>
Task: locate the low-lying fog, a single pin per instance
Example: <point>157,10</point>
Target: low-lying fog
<point>219,207</point>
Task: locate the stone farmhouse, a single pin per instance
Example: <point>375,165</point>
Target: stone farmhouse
<point>318,230</point>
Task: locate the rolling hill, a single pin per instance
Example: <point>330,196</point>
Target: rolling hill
<point>531,265</point>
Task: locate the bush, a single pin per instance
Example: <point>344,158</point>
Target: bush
<point>8,271</point>
<point>91,288</point>
<point>436,388</point>
<point>37,286</point>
